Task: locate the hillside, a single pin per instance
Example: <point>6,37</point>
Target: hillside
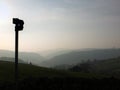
<point>10,59</point>
<point>25,56</point>
<point>27,70</point>
<point>107,67</point>
<point>52,53</point>
<point>77,56</point>
<point>39,78</point>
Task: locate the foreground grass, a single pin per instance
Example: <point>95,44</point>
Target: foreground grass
<point>26,71</point>
<point>38,78</point>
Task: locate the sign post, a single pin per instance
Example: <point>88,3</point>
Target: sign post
<point>18,27</point>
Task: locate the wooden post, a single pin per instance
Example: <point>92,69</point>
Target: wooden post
<point>18,27</point>
<point>16,57</point>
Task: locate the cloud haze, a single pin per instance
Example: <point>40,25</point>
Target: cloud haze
<point>51,24</point>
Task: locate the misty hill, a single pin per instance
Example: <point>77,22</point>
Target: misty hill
<point>107,67</point>
<point>10,59</point>
<point>27,57</point>
<point>78,56</point>
<point>52,53</point>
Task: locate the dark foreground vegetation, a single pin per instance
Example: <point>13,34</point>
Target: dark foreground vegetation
<point>38,78</point>
<point>64,84</point>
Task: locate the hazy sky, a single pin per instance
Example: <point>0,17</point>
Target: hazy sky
<point>69,24</point>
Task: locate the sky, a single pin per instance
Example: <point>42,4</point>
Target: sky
<point>54,24</point>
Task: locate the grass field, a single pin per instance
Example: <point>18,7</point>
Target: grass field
<point>38,78</point>
<point>26,71</point>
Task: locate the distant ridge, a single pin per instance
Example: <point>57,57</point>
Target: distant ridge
<point>78,56</point>
<point>11,59</point>
<point>27,57</point>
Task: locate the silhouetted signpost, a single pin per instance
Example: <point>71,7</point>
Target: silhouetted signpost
<point>18,27</point>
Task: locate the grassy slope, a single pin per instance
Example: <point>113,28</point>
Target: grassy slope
<point>25,71</point>
<point>110,66</point>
